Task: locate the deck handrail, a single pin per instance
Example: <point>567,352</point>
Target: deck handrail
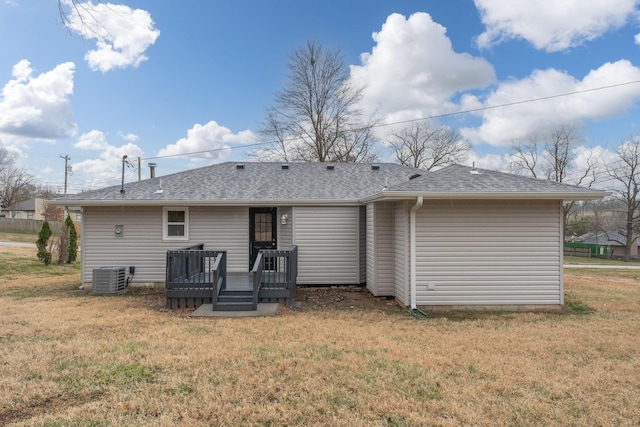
<point>219,271</point>
<point>293,277</point>
<point>196,247</point>
<point>256,275</point>
<point>279,272</point>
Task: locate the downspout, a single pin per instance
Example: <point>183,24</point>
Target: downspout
<point>82,246</point>
<point>412,225</point>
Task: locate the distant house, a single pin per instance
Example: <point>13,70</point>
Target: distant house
<point>30,209</point>
<point>614,241</point>
<point>447,238</point>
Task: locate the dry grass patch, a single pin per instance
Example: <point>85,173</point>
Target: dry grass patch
<point>6,236</point>
<point>69,358</point>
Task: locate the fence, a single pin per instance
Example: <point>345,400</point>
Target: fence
<point>586,250</point>
<point>32,226</point>
<point>579,252</point>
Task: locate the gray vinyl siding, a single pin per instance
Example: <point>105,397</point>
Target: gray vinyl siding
<point>285,231</point>
<point>380,259</point>
<point>328,246</point>
<point>223,228</point>
<point>362,227</point>
<point>370,252</point>
<point>401,251</point>
<point>142,246</point>
<point>489,253</point>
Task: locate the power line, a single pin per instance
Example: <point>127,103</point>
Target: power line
<point>208,151</point>
<point>435,116</point>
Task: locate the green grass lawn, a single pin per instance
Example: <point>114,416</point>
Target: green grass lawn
<point>596,261</point>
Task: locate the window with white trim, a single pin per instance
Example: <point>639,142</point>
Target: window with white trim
<point>175,223</point>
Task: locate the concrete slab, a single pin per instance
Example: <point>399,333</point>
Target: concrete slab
<point>264,309</point>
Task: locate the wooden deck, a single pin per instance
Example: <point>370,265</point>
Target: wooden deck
<point>244,281</point>
<point>196,276</point>
<point>239,282</point>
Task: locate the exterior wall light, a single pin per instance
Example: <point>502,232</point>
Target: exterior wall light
<point>283,219</point>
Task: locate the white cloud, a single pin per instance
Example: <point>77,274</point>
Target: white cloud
<point>208,137</point>
<point>502,125</point>
<point>413,71</point>
<point>128,136</point>
<point>107,168</point>
<point>122,34</point>
<point>38,107</point>
<point>488,161</point>
<point>551,25</point>
<point>92,140</point>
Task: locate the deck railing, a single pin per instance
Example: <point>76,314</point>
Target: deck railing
<point>256,276</point>
<point>219,271</point>
<point>191,274</point>
<point>195,276</point>
<point>278,273</point>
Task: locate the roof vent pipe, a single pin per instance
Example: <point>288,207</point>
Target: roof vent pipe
<point>124,160</point>
<point>152,170</point>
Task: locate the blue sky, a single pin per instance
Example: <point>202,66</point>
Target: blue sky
<point>164,78</point>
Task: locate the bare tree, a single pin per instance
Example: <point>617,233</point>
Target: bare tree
<point>558,154</point>
<point>68,8</point>
<point>523,157</point>
<point>315,117</point>
<point>16,185</point>
<point>421,146</point>
<point>554,158</point>
<point>625,174</point>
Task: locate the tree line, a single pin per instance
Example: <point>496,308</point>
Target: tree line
<point>18,184</point>
<point>315,118</point>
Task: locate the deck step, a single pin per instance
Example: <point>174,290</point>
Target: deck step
<point>227,292</point>
<point>235,298</point>
<point>234,306</point>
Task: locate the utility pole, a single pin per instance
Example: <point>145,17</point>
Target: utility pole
<point>66,171</point>
<point>139,171</point>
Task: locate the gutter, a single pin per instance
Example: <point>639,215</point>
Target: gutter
<point>412,224</point>
<point>215,202</point>
<point>567,196</point>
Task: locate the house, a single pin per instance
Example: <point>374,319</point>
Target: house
<point>447,238</point>
<point>611,242</point>
<point>30,209</point>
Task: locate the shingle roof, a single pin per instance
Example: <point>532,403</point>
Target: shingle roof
<point>610,238</point>
<point>464,181</point>
<point>27,205</point>
<point>259,181</point>
<point>270,183</point>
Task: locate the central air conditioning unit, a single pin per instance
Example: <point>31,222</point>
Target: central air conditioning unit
<point>109,280</point>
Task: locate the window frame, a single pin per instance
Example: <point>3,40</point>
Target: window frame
<point>166,223</point>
